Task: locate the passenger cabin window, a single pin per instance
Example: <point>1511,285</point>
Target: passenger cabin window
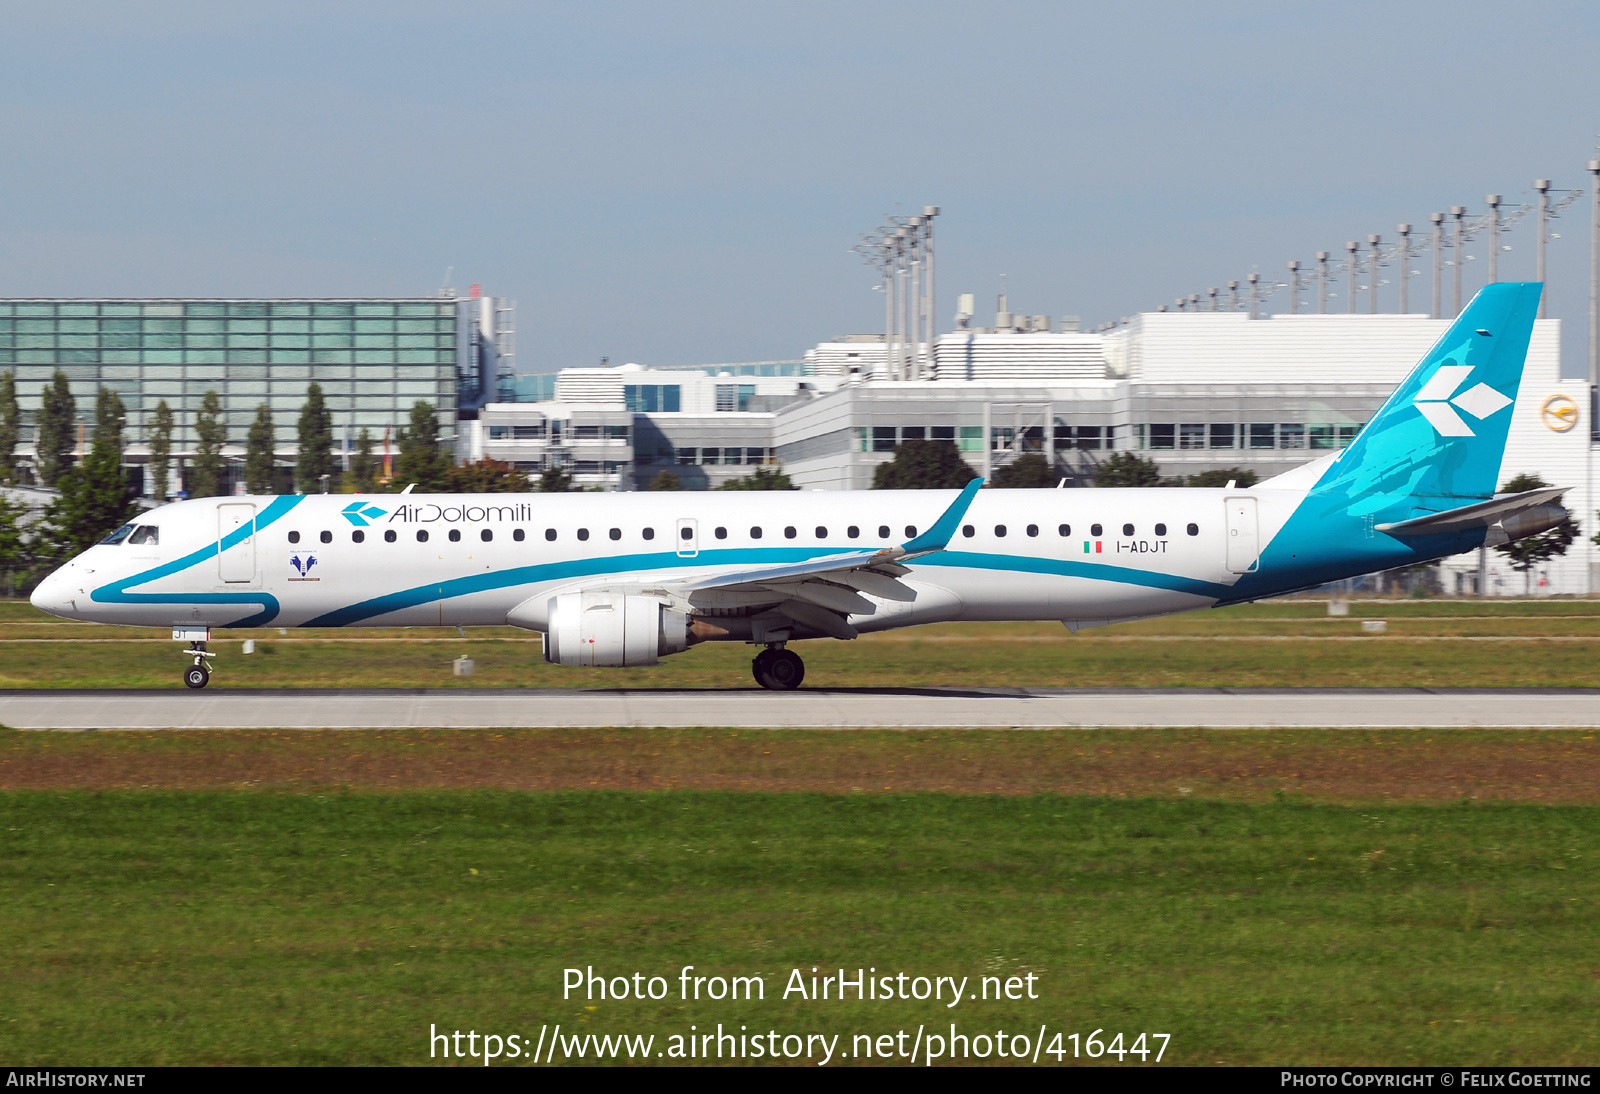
<point>358,536</point>
<point>615,533</point>
<point>326,537</point>
<point>755,533</point>
<point>294,537</point>
<point>119,535</point>
<point>487,535</point>
<point>686,533</point>
<point>883,531</point>
<point>1161,529</point>
<point>1033,529</point>
<point>1000,531</point>
<point>1064,530</point>
<point>583,534</point>
<point>518,534</point>
<point>550,534</point>
<point>968,530</point>
<point>649,533</point>
<point>389,536</point>
<point>422,535</point>
<point>147,534</point>
<point>1194,529</point>
<point>1127,529</point>
<point>822,533</point>
<point>1095,530</point>
<point>853,532</point>
<point>455,535</point>
<point>721,533</point>
<point>789,532</point>
<point>911,531</point>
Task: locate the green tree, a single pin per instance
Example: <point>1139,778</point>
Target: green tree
<point>923,465</point>
<point>1241,477</point>
<point>160,441</point>
<point>16,555</point>
<point>487,477</point>
<point>315,456</point>
<point>1128,469</point>
<point>53,430</point>
<point>1532,551</point>
<point>10,427</point>
<point>208,472</point>
<point>421,460</point>
<point>1027,472</point>
<point>258,448</point>
<point>95,497</point>
<point>364,465</point>
<point>762,478</point>
<point>555,480</point>
<point>666,480</point>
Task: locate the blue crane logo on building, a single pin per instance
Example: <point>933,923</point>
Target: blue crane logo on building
<point>359,513</point>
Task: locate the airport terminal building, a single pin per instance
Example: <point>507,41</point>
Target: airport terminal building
<point>373,357</point>
<point>1193,391</point>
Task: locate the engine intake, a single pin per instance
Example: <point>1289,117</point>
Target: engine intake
<point>612,630</point>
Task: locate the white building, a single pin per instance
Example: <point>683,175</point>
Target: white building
<point>1194,391</point>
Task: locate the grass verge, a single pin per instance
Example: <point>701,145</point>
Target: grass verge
<point>266,927</point>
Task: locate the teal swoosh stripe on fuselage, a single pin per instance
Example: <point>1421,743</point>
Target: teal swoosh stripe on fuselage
<point>117,591</point>
<point>622,565</point>
<point>1094,571</point>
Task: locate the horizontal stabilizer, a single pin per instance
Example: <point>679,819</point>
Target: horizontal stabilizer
<point>1483,514</point>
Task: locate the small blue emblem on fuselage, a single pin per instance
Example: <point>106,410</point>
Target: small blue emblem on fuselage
<point>359,513</point>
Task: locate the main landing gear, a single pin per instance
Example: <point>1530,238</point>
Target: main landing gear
<point>197,675</point>
<point>778,669</point>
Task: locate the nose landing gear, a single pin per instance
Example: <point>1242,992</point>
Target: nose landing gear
<point>197,675</point>
<point>778,669</point>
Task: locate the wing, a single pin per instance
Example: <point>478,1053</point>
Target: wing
<point>820,592</point>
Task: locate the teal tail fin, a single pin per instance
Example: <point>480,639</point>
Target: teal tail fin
<point>1443,432</point>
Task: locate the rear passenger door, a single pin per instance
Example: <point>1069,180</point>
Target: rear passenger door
<point>236,542</point>
<point>1243,547</point>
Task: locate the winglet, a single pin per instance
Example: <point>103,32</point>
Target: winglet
<point>938,537</point>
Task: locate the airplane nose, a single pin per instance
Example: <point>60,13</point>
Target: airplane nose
<point>53,595</point>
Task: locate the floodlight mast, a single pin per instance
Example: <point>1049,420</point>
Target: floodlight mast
<point>1405,263</point>
<point>1438,260</point>
<point>1372,290</point>
<point>1457,211</point>
<point>1322,282</point>
<point>1351,246</point>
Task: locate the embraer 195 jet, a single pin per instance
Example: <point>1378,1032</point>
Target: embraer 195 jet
<point>625,579</point>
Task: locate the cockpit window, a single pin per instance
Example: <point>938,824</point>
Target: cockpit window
<point>147,534</point>
<point>119,535</point>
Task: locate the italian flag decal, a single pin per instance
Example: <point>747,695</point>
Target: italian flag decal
<point>1095,546</point>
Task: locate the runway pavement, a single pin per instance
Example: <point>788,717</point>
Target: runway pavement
<point>997,708</point>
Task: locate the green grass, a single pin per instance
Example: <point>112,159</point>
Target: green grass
<point>1434,643</point>
<point>238,927</point>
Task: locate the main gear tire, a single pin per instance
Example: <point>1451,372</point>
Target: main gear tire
<point>196,676</point>
<point>782,671</point>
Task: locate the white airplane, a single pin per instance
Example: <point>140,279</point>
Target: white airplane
<point>625,579</point>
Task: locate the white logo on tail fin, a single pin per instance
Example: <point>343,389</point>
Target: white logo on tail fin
<point>1434,402</point>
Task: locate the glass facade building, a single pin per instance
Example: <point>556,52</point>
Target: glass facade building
<point>373,357</point>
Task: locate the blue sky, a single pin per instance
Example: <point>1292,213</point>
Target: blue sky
<point>682,183</point>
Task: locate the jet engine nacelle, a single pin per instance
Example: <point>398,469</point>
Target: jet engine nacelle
<point>1527,522</point>
<point>611,630</point>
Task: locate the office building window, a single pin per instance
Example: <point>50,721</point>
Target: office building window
<point>1222,435</point>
